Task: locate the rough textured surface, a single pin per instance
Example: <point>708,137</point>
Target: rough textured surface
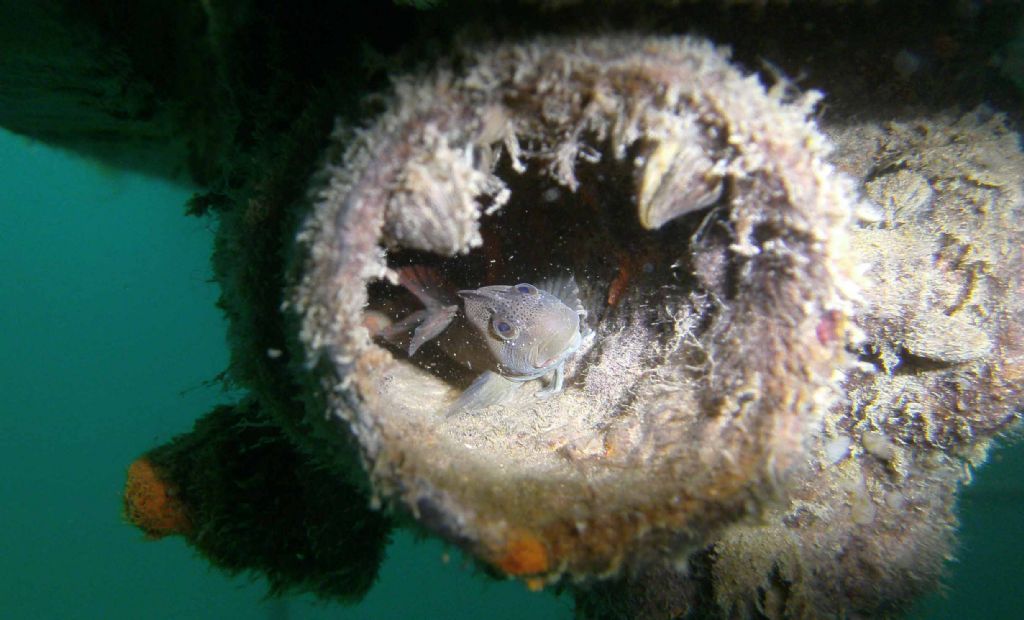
<point>715,357</point>
<point>724,448</point>
<point>240,493</point>
<point>870,521</point>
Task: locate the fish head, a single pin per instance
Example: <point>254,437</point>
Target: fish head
<point>528,331</point>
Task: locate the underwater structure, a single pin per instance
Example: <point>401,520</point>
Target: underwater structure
<point>793,324</point>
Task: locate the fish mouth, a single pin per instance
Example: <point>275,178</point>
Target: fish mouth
<point>553,354</point>
<point>549,362</point>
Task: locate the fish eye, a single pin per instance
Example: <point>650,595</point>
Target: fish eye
<point>503,329</point>
<point>527,289</point>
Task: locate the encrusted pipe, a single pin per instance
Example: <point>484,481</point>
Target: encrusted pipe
<point>709,238</point>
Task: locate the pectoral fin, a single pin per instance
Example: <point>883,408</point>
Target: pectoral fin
<point>556,383</point>
<point>490,388</point>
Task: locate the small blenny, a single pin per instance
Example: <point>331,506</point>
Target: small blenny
<point>512,333</point>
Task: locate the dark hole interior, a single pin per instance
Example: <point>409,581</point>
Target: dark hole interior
<point>625,273</point>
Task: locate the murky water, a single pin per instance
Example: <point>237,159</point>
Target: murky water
<point>110,339</point>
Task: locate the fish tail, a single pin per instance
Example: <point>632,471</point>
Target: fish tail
<point>429,288</point>
<point>426,283</point>
<point>435,321</point>
<point>392,333</point>
<point>425,325</point>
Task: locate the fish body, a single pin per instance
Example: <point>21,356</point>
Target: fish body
<point>512,333</point>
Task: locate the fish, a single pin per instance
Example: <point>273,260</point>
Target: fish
<point>512,333</point>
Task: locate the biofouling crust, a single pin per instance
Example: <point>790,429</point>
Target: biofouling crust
<point>710,239</point>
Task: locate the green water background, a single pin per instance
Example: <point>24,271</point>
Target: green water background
<point>110,337</point>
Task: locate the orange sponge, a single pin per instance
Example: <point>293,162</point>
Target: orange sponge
<point>153,504</point>
<point>523,554</point>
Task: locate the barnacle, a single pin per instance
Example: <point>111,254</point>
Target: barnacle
<point>709,370</point>
<point>870,521</point>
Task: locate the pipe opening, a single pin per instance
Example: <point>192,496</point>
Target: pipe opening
<point>706,237</point>
<point>645,310</point>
